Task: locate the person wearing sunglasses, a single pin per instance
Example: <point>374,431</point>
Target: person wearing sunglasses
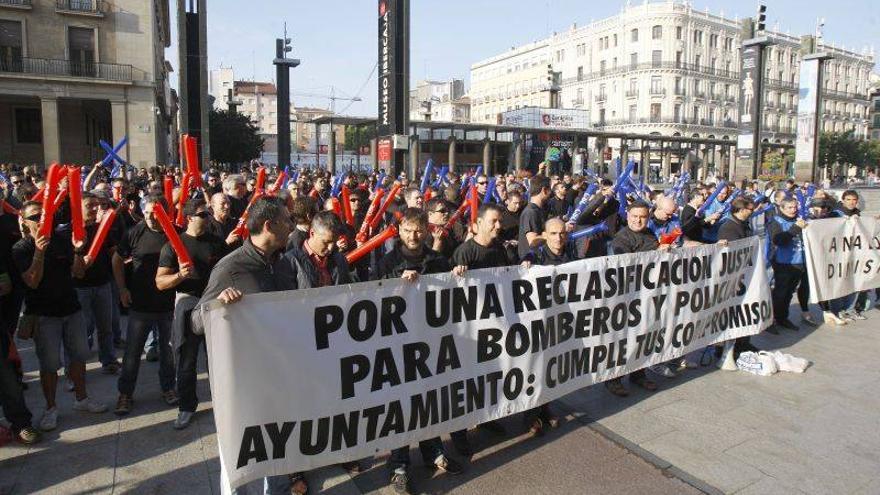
<point>438,239</point>
<point>189,282</point>
<point>48,267</point>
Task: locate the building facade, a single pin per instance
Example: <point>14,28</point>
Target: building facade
<point>73,72</point>
<point>258,100</point>
<point>439,101</point>
<point>874,110</point>
<point>665,68</point>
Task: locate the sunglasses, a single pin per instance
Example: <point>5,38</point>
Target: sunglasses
<point>482,183</point>
<point>441,210</point>
<point>34,218</point>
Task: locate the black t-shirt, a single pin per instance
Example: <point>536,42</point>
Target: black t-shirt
<point>474,256</point>
<point>531,220</point>
<point>55,296</point>
<point>205,251</point>
<point>509,225</point>
<point>143,246</point>
<point>236,207</point>
<point>395,263</point>
<point>557,207</point>
<point>222,229</point>
<point>101,269</point>
<point>543,256</point>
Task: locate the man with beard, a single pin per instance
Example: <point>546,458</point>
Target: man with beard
<point>409,259</point>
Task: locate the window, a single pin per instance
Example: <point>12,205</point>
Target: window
<point>601,116</point>
<point>656,58</point>
<point>678,58</point>
<point>676,113</point>
<point>678,87</point>
<point>602,91</point>
<point>81,44</point>
<point>634,35</point>
<point>657,32</point>
<point>633,86</point>
<point>580,96</point>
<point>10,46</point>
<point>656,85</point>
<point>655,112</point>
<point>713,40</point>
<point>633,59</point>
<point>28,126</point>
<point>581,73</point>
<point>633,114</point>
<point>606,42</point>
<point>678,32</point>
<point>602,66</point>
<point>614,63</point>
<point>615,40</point>
<point>697,60</point>
<point>696,114</point>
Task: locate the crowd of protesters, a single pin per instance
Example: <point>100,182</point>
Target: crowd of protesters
<point>134,296</point>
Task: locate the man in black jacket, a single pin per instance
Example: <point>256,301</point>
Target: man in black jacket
<point>317,262</point>
<point>257,266</point>
<point>634,238</point>
<point>409,259</point>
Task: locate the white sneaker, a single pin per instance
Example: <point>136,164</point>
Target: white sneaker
<point>727,361</point>
<point>807,318</point>
<point>50,419</point>
<point>88,405</point>
<point>662,370</point>
<point>833,319</point>
<point>184,418</point>
<point>852,315</point>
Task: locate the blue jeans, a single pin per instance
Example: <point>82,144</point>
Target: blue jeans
<point>139,325</point>
<point>115,316</point>
<point>97,307</point>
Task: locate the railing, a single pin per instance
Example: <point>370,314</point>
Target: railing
<point>624,69</point>
<point>679,92</point>
<point>601,97</point>
<point>700,94</point>
<point>92,7</point>
<point>16,3</point>
<point>50,67</point>
<point>666,119</point>
<point>658,92</point>
<point>769,104</point>
<point>844,95</point>
<point>779,83</point>
<point>632,94</point>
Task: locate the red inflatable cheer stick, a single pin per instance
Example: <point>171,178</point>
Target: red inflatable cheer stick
<point>101,234</point>
<point>74,185</point>
<point>183,257</point>
<point>372,244</point>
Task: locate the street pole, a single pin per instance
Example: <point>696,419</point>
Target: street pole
<point>282,69</point>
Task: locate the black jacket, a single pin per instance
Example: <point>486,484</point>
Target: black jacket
<point>733,230</point>
<point>628,241</point>
<point>306,274</point>
<point>394,263</point>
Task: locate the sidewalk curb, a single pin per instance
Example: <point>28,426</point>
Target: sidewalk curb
<point>658,462</point>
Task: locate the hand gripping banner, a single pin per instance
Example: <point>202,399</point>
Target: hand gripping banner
<point>303,379</point>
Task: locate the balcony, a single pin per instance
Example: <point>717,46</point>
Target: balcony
<point>770,104</point>
<point>17,4</point>
<point>44,67</point>
<point>658,92</point>
<point>679,92</point>
<point>90,8</point>
<point>700,94</point>
<point>632,93</point>
<point>601,97</point>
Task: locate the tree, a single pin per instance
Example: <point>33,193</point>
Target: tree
<point>234,137</point>
<point>357,136</point>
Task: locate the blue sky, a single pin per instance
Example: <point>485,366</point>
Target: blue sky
<point>336,39</point>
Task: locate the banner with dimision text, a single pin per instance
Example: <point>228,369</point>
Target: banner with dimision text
<point>303,379</point>
<point>843,256</point>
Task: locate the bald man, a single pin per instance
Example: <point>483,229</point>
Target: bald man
<point>556,249</point>
<point>222,224</point>
<point>665,217</point>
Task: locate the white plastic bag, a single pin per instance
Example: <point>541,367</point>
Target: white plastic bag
<point>787,362</point>
<point>756,364</point>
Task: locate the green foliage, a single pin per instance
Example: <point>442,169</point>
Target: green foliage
<point>357,136</point>
<point>845,149</point>
<point>234,138</point>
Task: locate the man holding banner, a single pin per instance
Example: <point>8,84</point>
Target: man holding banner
<point>409,259</point>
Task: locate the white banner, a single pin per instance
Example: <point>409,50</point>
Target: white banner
<point>843,256</point>
<point>304,379</point>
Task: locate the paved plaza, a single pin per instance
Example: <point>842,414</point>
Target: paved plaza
<point>705,430</point>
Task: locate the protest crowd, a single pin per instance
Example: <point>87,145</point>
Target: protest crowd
<point>119,262</point>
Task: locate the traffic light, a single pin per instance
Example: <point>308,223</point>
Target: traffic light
<point>287,47</point>
<point>762,17</point>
